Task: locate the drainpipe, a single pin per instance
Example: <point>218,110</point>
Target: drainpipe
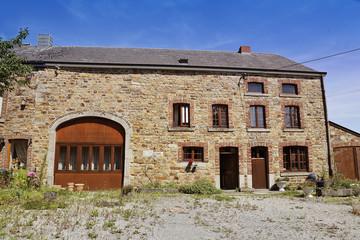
<point>326,125</point>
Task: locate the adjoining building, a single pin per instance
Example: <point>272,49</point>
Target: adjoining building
<point>110,117</point>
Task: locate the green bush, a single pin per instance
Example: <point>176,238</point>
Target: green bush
<point>19,180</point>
<point>201,186</point>
<point>340,181</point>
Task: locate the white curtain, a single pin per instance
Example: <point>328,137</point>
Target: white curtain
<point>20,147</point>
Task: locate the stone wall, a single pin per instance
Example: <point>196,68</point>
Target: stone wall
<point>342,137</point>
<point>143,97</point>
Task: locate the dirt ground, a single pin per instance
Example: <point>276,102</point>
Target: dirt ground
<point>179,216</point>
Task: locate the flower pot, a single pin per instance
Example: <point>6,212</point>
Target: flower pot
<point>281,185</point>
<point>79,186</point>
<point>308,191</point>
<point>356,190</point>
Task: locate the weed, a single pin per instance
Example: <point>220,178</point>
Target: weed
<point>29,223</point>
<point>90,225</point>
<point>136,232</point>
<point>116,231</point>
<point>92,235</point>
<point>95,213</point>
<point>223,198</point>
<point>129,213</point>
<point>109,224</point>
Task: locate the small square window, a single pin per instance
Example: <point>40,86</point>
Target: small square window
<point>256,87</point>
<point>181,115</point>
<point>289,89</point>
<point>194,153</point>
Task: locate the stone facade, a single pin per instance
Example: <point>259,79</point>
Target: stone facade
<point>343,137</point>
<point>143,99</point>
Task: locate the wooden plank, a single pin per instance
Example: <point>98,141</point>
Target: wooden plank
<point>92,181</point>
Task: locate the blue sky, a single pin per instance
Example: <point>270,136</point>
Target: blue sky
<point>297,29</point>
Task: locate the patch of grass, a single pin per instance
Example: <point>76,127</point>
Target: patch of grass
<point>92,235</point>
<point>201,186</point>
<point>43,205</point>
<point>116,231</point>
<point>95,213</point>
<point>109,224</point>
<point>129,213</point>
<point>223,198</point>
<point>90,225</point>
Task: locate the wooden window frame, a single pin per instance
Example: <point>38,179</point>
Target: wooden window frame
<point>257,124</point>
<point>178,109</point>
<point>79,156</point>
<point>290,84</point>
<point>257,83</point>
<point>294,115</point>
<point>220,109</point>
<point>289,161</point>
<point>192,152</point>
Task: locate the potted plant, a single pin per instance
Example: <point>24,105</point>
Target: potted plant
<point>308,187</point>
<point>281,183</point>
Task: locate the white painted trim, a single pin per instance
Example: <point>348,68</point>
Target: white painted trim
<point>52,140</point>
<point>249,181</point>
<point>217,181</point>
<point>241,181</point>
<point>271,180</point>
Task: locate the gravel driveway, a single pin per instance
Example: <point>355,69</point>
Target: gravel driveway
<point>178,216</point>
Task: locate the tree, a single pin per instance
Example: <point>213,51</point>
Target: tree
<point>12,68</point>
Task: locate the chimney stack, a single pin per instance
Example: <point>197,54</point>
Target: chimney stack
<point>44,41</point>
<point>245,49</point>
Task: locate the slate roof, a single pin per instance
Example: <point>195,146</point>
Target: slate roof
<point>160,57</point>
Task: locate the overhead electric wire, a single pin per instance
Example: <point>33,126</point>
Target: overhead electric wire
<point>358,90</point>
<point>317,59</point>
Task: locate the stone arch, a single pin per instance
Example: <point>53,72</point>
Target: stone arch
<point>52,140</point>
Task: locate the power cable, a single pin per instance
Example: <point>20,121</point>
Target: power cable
<point>317,59</point>
<point>358,90</point>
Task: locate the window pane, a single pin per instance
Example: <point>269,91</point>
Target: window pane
<point>256,87</point>
<point>62,159</point>
<point>85,158</point>
<point>224,116</point>
<point>289,88</point>
<point>181,115</point>
<point>287,117</point>
<point>253,116</point>
<point>260,116</point>
<point>73,156</point>
<point>117,158</point>
<point>107,158</point>
<point>95,158</point>
<point>187,154</point>
<point>215,115</point>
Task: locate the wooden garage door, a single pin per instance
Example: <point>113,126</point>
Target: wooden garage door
<point>347,161</point>
<point>90,151</point>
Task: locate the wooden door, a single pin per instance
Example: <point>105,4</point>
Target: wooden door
<point>229,168</point>
<point>259,167</point>
<point>347,161</point>
<point>90,151</point>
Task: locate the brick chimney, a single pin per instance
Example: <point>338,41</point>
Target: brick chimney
<point>245,49</point>
<point>44,41</point>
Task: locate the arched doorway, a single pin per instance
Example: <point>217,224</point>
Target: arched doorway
<point>90,150</point>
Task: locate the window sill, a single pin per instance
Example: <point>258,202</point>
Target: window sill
<point>211,129</point>
<point>294,174</point>
<point>258,129</point>
<point>181,129</point>
<point>289,95</point>
<point>293,130</point>
<point>257,94</point>
<point>198,164</point>
<point>2,120</point>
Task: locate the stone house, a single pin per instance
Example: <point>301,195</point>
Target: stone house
<point>109,117</point>
<point>345,145</point>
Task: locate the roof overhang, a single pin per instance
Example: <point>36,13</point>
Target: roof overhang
<point>43,64</point>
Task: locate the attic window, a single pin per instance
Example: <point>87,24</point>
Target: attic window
<point>183,60</point>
